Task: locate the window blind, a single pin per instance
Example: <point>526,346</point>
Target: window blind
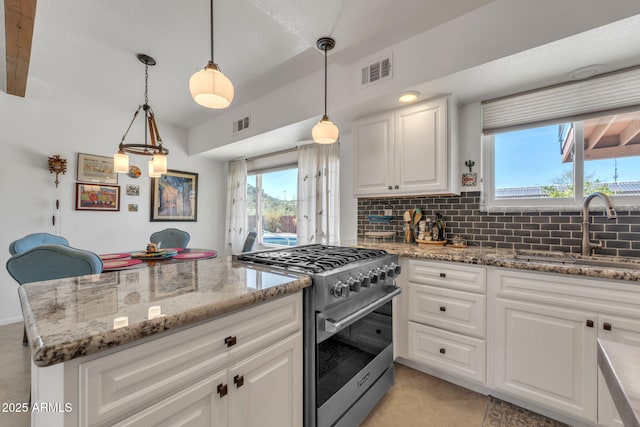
<point>273,162</point>
<point>596,96</point>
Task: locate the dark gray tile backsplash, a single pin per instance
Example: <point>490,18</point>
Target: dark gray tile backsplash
<point>556,231</point>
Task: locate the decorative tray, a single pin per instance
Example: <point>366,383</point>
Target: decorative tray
<point>431,242</point>
<point>379,218</point>
<point>162,253</point>
<point>382,234</point>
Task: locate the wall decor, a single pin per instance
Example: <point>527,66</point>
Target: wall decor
<point>133,207</point>
<point>134,172</point>
<point>92,197</point>
<point>96,169</point>
<point>174,196</point>
<point>57,165</point>
<point>133,190</point>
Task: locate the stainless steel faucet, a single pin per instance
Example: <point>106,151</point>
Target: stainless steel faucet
<point>587,244</point>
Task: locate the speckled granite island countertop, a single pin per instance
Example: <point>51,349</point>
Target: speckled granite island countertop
<point>625,268</point>
<point>619,365</point>
<point>79,316</point>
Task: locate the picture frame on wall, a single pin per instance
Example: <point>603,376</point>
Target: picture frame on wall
<point>97,169</point>
<point>96,197</point>
<point>174,196</point>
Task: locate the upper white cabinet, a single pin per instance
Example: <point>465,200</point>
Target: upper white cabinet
<point>411,151</point>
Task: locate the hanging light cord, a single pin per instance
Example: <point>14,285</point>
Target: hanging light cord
<point>325,81</point>
<point>211,10</point>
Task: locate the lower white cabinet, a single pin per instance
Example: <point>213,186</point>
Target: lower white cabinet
<point>545,331</point>
<point>546,355</point>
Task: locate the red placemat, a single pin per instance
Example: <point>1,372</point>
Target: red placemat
<point>196,255</point>
<point>113,256</point>
<point>119,263</point>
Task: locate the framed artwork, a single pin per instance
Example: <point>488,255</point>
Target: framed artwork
<point>133,190</point>
<point>174,196</point>
<point>96,169</point>
<point>92,197</point>
<point>133,207</point>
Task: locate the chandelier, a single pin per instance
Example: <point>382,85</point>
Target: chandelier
<point>158,163</point>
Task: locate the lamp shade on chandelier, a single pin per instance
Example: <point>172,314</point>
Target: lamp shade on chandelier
<point>325,131</point>
<point>154,148</point>
<point>209,87</point>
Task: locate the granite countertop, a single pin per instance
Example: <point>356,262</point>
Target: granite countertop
<point>618,363</point>
<point>78,316</point>
<point>626,269</point>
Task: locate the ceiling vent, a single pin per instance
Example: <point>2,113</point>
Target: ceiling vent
<point>241,124</point>
<point>377,71</point>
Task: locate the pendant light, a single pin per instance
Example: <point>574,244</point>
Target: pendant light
<point>209,87</point>
<point>325,132</point>
<point>155,149</point>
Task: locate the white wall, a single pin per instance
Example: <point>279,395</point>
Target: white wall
<point>348,203</point>
<point>48,122</point>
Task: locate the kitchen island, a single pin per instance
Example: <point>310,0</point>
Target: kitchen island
<point>197,339</point>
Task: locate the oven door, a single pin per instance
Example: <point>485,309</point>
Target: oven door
<point>352,362</point>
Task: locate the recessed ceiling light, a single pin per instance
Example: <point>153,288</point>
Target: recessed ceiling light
<point>409,97</point>
<point>585,72</point>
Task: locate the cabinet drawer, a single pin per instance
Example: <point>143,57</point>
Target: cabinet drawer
<point>112,385</point>
<point>446,351</point>
<point>448,275</point>
<point>456,311</point>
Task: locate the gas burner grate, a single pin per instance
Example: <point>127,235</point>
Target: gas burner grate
<point>312,258</point>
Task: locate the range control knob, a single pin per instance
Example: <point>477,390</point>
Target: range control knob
<point>340,289</point>
<point>390,269</point>
<point>364,280</point>
<point>382,273</point>
<point>354,284</point>
<point>374,276</point>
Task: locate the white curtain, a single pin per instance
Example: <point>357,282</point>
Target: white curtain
<point>236,206</point>
<point>319,194</point>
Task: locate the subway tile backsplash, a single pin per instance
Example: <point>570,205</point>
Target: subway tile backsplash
<point>556,231</point>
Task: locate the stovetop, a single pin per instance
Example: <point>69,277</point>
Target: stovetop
<point>311,258</point>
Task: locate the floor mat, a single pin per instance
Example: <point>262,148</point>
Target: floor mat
<point>503,414</point>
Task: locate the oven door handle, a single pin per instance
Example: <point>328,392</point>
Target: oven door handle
<point>331,325</point>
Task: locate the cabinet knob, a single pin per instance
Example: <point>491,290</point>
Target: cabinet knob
<point>589,323</point>
<point>230,341</point>
<point>222,390</point>
<point>397,186</point>
<point>390,188</point>
<point>443,308</point>
<point>606,326</point>
<point>443,275</point>
<point>443,350</point>
<point>238,380</point>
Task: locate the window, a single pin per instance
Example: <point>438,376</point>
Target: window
<point>555,166</point>
<point>272,206</point>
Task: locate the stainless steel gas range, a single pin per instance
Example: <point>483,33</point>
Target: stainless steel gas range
<point>348,339</point>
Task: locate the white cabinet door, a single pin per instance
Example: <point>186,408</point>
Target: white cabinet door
<point>199,405</point>
<point>618,329</point>
<point>547,355</point>
<point>265,390</point>
<point>421,161</point>
<point>372,150</point>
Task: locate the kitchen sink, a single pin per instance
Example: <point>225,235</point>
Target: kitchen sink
<point>565,258</point>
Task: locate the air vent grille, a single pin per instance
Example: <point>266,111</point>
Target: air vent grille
<point>376,71</point>
<point>241,124</point>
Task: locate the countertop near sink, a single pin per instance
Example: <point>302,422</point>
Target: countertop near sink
<point>619,365</point>
<point>74,317</point>
<point>506,258</point>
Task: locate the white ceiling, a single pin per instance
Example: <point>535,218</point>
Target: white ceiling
<point>89,46</point>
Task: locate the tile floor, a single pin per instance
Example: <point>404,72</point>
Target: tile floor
<point>416,400</point>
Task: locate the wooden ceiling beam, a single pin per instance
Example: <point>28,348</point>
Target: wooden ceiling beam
<point>599,131</point>
<point>630,132</point>
<point>19,17</point>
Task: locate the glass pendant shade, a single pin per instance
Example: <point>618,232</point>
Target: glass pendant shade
<point>210,88</point>
<point>152,172</point>
<point>325,132</point>
<point>121,162</point>
<point>159,163</point>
